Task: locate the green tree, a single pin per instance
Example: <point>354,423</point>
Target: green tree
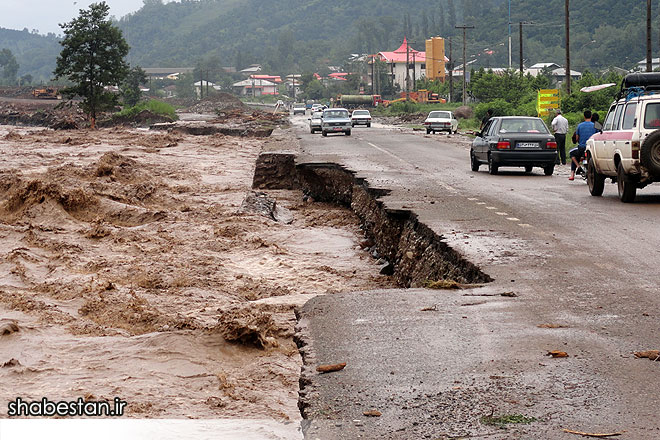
<point>92,57</point>
<point>9,67</point>
<point>130,88</point>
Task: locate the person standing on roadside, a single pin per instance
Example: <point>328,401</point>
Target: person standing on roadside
<point>560,127</point>
<point>484,121</point>
<point>597,125</point>
<point>583,132</point>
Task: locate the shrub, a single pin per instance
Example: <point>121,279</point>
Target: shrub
<point>500,108</point>
<point>153,105</point>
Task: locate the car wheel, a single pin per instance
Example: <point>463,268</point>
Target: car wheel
<point>493,167</point>
<point>548,170</point>
<point>348,133</point>
<point>528,168</point>
<point>369,125</point>
<point>428,131</point>
<point>650,153</point>
<point>625,185</point>
<point>474,163</point>
<point>324,133</point>
<point>595,180</point>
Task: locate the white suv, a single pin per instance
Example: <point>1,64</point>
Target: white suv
<point>628,149</point>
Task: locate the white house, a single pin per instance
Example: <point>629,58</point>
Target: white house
<point>255,87</point>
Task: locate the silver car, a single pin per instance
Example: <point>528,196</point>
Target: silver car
<point>336,120</point>
<point>315,122</point>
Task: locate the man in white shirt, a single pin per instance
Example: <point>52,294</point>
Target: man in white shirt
<point>560,127</point>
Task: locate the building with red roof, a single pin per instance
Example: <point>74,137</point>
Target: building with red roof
<point>396,61</point>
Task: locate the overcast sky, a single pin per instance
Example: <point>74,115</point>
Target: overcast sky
<point>45,15</point>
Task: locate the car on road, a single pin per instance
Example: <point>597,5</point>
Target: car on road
<point>361,117</point>
<point>298,107</point>
<point>628,149</point>
<point>317,108</point>
<point>441,120</point>
<point>315,122</point>
<point>335,120</point>
<point>517,141</point>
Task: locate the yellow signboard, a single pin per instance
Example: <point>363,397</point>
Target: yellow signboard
<point>547,99</point>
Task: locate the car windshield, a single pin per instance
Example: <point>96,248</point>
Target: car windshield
<point>440,115</point>
<point>361,113</point>
<point>652,116</point>
<point>335,114</point>
<point>523,125</point>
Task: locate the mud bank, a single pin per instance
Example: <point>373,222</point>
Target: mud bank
<point>413,252</point>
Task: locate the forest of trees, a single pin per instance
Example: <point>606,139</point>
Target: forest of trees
<point>289,35</point>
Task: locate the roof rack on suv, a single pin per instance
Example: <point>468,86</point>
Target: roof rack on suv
<point>638,84</point>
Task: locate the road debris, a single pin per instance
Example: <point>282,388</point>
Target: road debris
<point>330,368</point>
<point>591,434</point>
<point>653,355</point>
<point>372,413</point>
<point>557,354</point>
<point>551,326</point>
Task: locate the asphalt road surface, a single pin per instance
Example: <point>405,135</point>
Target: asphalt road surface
<point>585,272</point>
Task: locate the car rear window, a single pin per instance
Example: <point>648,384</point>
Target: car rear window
<point>523,126</point>
<point>444,115</point>
<point>652,116</point>
<point>361,112</point>
<point>336,114</point>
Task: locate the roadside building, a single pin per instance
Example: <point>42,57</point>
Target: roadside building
<point>396,61</point>
<point>167,72</point>
<point>255,87</point>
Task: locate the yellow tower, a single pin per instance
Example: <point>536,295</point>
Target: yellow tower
<point>435,58</point>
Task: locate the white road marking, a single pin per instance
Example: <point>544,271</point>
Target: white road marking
<point>490,207</point>
<point>389,154</point>
<point>501,213</point>
<point>481,203</point>
<point>513,219</point>
<point>472,199</point>
<point>524,225</point>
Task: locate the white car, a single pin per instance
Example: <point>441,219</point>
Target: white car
<point>441,120</point>
<point>361,117</point>
<point>628,149</point>
<point>298,107</point>
<point>316,122</point>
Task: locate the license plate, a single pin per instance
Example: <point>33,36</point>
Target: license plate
<point>528,145</point>
<point>337,129</point>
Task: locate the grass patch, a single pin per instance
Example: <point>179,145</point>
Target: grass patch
<point>153,105</point>
<point>507,419</point>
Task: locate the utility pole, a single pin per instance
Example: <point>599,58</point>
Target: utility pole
<point>509,34</point>
<point>521,44</point>
<point>373,82</point>
<point>649,47</point>
<point>568,51</point>
<point>465,28</point>
<point>407,70</point>
<point>294,87</point>
<point>414,80</point>
<point>451,73</point>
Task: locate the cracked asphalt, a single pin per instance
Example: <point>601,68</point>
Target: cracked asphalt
<point>584,272</point>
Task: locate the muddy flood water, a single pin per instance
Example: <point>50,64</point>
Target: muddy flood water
<point>127,268</point>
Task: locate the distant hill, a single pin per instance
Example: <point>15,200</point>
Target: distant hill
<point>36,54</point>
<point>286,35</point>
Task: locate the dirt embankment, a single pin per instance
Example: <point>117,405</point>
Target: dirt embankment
<point>129,268</point>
